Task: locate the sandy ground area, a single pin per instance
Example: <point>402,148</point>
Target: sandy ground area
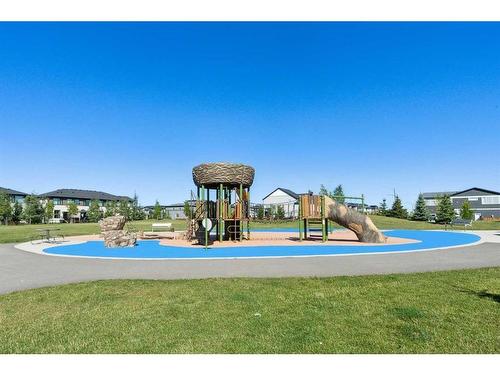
<point>291,239</point>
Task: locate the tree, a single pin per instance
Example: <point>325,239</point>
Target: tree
<point>72,211</point>
<point>398,210</point>
<point>444,210</point>
<point>124,209</point>
<point>94,212</point>
<point>324,191</point>
<point>157,211</point>
<point>17,212</point>
<point>421,213</point>
<point>383,208</point>
<point>136,212</point>
<point>280,212</point>
<point>33,211</point>
<point>5,208</point>
<point>49,210</point>
<point>260,212</point>
<point>339,194</point>
<point>110,208</point>
<point>187,209</point>
<point>465,211</point>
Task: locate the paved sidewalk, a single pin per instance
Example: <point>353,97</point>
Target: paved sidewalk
<point>23,270</point>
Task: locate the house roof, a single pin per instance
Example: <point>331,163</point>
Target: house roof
<point>476,188</point>
<point>11,192</point>
<point>452,193</point>
<point>286,191</point>
<point>84,194</point>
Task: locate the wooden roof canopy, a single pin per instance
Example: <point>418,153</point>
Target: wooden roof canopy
<point>211,175</point>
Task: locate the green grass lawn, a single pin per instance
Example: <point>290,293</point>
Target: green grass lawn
<point>21,233</point>
<point>441,312</point>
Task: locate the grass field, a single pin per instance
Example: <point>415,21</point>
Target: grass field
<point>441,312</point>
<point>21,233</point>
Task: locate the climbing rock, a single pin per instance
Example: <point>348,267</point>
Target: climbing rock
<point>113,233</point>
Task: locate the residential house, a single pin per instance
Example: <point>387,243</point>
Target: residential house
<point>483,202</point>
<point>285,198</point>
<point>15,195</point>
<point>62,197</point>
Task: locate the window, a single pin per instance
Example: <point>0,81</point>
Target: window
<point>430,202</point>
<point>491,199</point>
<point>57,200</point>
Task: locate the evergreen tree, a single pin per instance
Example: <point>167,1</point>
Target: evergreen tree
<point>157,211</point>
<point>110,209</point>
<point>5,208</point>
<point>49,210</point>
<point>383,208</point>
<point>421,212</point>
<point>124,209</point>
<point>465,211</point>
<point>280,212</point>
<point>17,212</point>
<point>136,211</point>
<point>260,212</point>
<point>94,212</point>
<point>324,191</point>
<point>33,210</point>
<point>72,211</point>
<point>339,194</point>
<point>444,210</point>
<point>187,209</point>
<point>398,210</point>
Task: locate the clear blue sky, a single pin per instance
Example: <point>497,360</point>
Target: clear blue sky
<point>134,106</point>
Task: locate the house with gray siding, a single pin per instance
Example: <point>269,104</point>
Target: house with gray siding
<point>173,211</point>
<point>15,195</point>
<point>82,198</point>
<point>483,202</point>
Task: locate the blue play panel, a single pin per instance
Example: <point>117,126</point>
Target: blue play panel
<point>153,250</point>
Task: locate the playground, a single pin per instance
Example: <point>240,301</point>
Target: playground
<point>220,226</point>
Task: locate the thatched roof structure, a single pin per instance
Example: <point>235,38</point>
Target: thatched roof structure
<point>211,175</point>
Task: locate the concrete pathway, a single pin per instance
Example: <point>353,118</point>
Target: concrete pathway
<point>24,270</point>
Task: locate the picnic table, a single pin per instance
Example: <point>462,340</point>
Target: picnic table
<point>45,234</point>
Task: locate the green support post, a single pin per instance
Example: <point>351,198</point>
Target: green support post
<point>306,227</point>
<point>205,209</point>
<point>300,219</point>
<point>248,213</point>
<point>362,203</point>
<point>241,212</point>
<point>221,216</point>
<point>323,224</point>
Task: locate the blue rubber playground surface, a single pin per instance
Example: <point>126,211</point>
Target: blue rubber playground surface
<point>153,250</point>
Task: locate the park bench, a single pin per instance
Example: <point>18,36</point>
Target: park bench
<point>166,226</point>
<point>465,222</point>
<point>56,220</point>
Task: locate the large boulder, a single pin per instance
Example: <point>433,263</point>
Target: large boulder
<point>113,233</point>
<point>119,238</point>
<point>116,222</point>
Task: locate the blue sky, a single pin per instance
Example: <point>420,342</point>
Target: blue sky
<point>124,107</point>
